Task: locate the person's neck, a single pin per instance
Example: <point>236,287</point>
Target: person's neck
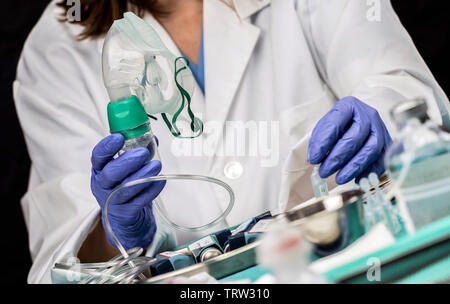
<point>183,22</point>
<point>177,6</point>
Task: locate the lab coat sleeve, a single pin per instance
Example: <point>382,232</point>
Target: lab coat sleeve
<point>363,50</point>
<point>61,104</point>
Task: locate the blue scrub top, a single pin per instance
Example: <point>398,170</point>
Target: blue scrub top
<point>198,70</point>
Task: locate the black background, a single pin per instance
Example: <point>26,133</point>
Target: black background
<point>426,21</point>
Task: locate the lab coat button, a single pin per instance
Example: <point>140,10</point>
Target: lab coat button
<point>233,170</point>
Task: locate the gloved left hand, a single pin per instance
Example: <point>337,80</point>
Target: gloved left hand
<point>351,138</point>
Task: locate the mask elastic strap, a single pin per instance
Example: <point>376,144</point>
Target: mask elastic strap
<point>196,123</point>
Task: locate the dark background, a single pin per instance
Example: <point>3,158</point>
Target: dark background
<point>427,22</point>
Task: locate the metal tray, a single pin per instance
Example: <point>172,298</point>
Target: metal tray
<point>321,221</point>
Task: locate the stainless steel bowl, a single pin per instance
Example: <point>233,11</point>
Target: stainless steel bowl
<point>332,218</point>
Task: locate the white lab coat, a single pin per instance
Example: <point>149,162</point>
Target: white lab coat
<point>280,62</point>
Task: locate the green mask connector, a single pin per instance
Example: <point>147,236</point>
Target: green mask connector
<point>128,117</point>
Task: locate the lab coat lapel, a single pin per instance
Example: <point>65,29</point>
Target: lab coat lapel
<point>229,41</point>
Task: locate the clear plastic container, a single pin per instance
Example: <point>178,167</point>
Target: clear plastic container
<point>419,164</point>
<point>146,140</point>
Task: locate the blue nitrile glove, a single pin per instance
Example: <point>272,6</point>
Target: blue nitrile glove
<point>351,138</point>
<point>130,211</point>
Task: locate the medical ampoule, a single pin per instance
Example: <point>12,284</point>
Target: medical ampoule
<point>385,205</point>
<point>370,213</point>
<point>319,184</point>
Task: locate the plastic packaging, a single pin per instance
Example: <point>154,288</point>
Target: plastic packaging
<point>285,252</point>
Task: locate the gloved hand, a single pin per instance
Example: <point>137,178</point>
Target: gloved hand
<point>351,138</point>
<point>130,211</point>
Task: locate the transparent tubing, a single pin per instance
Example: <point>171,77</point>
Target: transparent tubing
<point>160,208</point>
<point>118,270</point>
<point>128,265</point>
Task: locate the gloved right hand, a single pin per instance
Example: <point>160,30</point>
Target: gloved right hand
<point>130,210</point>
<point>352,139</point>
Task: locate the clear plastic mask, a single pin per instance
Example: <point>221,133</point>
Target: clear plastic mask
<point>136,62</point>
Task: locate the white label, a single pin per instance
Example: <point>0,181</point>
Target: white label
<point>206,241</point>
<point>169,254</point>
<point>261,226</point>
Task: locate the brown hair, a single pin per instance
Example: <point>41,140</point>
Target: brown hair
<point>97,16</point>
